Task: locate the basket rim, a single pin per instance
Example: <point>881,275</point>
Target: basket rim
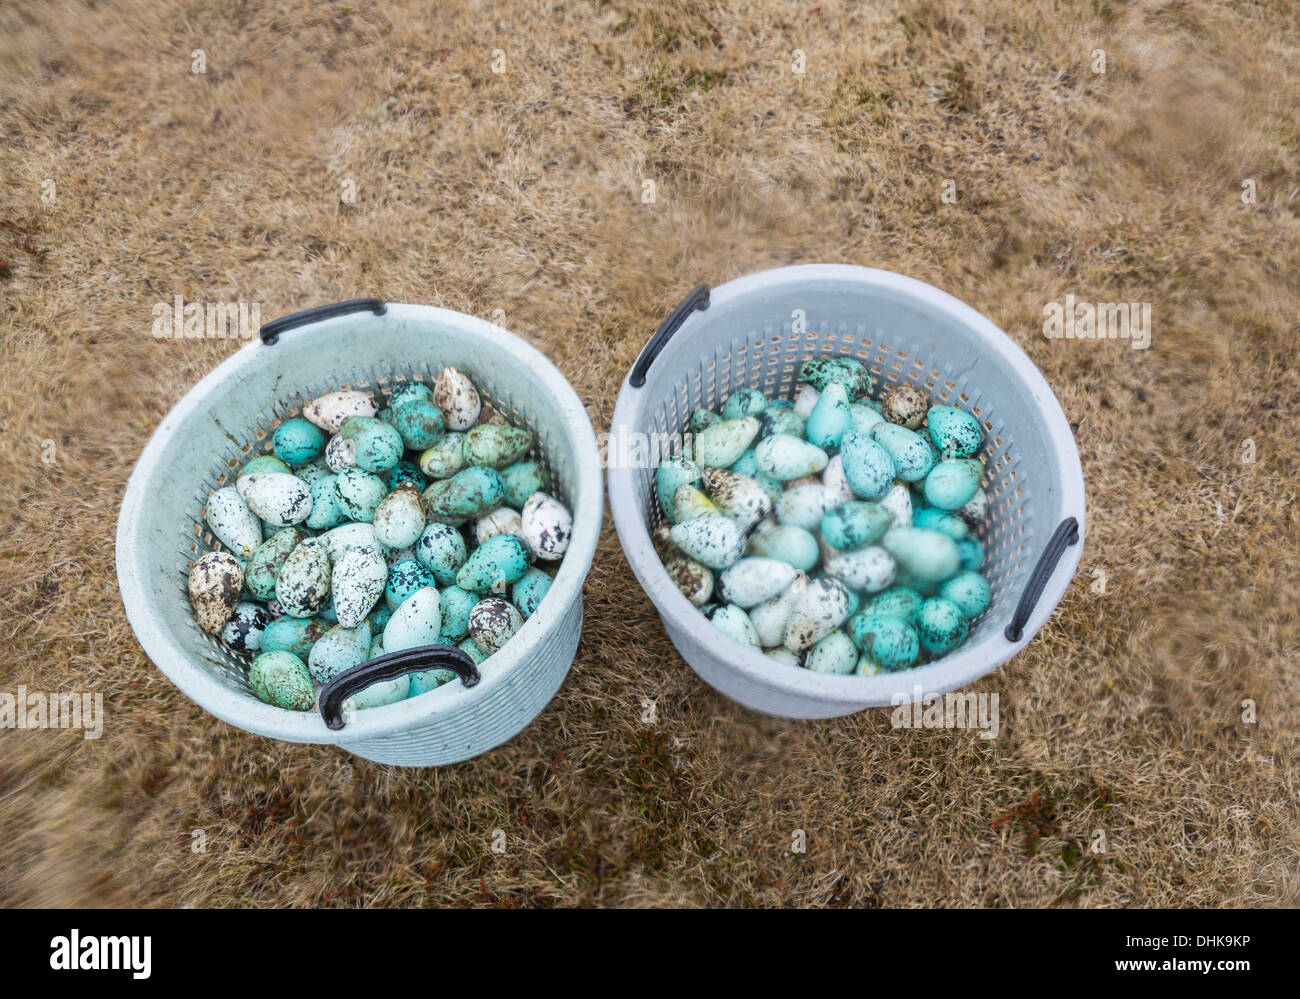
<point>178,662</point>
<point>850,691</point>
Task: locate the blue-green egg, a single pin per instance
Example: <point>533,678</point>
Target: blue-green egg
<point>467,494</point>
<point>493,565</point>
<point>293,634</point>
<point>923,554</point>
<point>456,607</point>
<point>855,524</point>
<point>529,590</point>
<point>522,479</point>
<point>953,482</point>
<point>279,677</point>
<point>850,372</point>
<point>971,553</point>
<point>703,418</point>
<point>788,542</point>
<point>267,463</point>
<point>785,457</point>
<point>359,494</point>
<point>405,578</point>
<point>900,601</point>
<point>297,442</point>
<point>910,452</point>
<point>831,417</point>
<point>969,591</point>
<point>445,458</point>
<point>404,471</point>
<point>888,639</point>
<point>744,402</point>
<point>940,625</point>
<point>326,511</point>
<point>868,467</point>
<point>417,421</point>
<point>496,445</point>
<point>956,433</point>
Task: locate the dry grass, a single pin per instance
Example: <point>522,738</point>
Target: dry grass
<point>521,192</point>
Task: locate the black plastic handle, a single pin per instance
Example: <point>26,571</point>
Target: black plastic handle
<point>389,667</point>
<point>698,299</point>
<point>1066,534</point>
<point>270,332</point>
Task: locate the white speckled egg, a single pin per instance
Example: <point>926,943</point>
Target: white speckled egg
<point>738,496</point>
<point>547,527</point>
<point>358,583</point>
<point>234,524</point>
<point>243,632</point>
<point>869,569</point>
<point>492,622</point>
<point>820,609</point>
<point>215,583</point>
<point>279,499</point>
<point>806,400</point>
<point>340,454</point>
<point>303,585</point>
<point>456,396</point>
<point>753,580</point>
<point>502,520</point>
<point>330,410</point>
<point>399,518</point>
<point>346,536</point>
<point>771,616</point>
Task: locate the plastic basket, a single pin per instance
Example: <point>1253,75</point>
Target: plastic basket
<point>754,332</point>
<point>228,417</point>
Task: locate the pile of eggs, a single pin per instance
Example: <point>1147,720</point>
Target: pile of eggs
<point>369,530</point>
<point>835,532</point>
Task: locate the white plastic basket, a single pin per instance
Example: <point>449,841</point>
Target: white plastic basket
<point>228,417</point>
<point>754,332</point>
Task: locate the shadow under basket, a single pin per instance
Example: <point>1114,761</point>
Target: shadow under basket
<point>228,418</point>
<point>755,332</point>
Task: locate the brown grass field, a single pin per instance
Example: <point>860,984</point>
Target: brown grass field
<point>521,191</point>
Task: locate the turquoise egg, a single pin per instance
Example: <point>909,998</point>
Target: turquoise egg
<point>720,445</point>
<point>326,511</point>
<point>789,543</point>
<point>441,550</point>
<point>297,442</point>
<point>377,446</point>
<point>267,463</point>
<point>496,563</point>
<point>281,678</point>
<point>405,578</point>
<point>969,591</point>
<point>416,621</point>
<point>405,392</point>
<point>404,471</point>
<point>379,694</point>
<point>669,475</point>
<point>923,554</point>
<point>868,467</point>
<point>971,552</point>
<point>888,639</point>
<point>911,453</point>
<point>784,457</point>
<point>782,420</point>
<point>444,459</point>
<point>956,433</point>
<point>378,617</point>
<point>852,373</point>
<point>941,520</point>
<point>417,421</point>
<point>359,494</point>
<point>855,524</point>
<point>456,607</point>
<point>522,479</point>
<point>830,418</point>
<point>900,601</point>
<point>953,482</point>
<point>496,445</point>
<point>429,679</point>
<point>703,418</point>
<point>293,634</point>
<point>528,592</point>
<point>733,622</point>
<point>865,417</point>
<point>835,654</point>
<point>744,402</point>
<point>471,649</point>
<point>940,625</point>
<point>467,494</point>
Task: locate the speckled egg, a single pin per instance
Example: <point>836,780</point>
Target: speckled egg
<point>755,579</point>
<point>855,524</point>
<point>293,634</point>
<point>956,433</point>
<point>835,654</point>
<point>265,463</point>
<point>804,506</point>
<point>405,578</point>
<point>357,583</point>
<point>494,565</point>
<point>467,494</point>
<point>281,678</point>
<point>458,399</point>
<point>940,625</point>
<point>900,601</point>
<point>911,455</point>
<point>417,420</point>
<point>345,536</point>
<point>340,454</point>
<point>360,494</point>
<point>377,446</point>
<point>820,609</point>
<point>445,458</point>
<point>952,483</point>
<point>280,500</point>
<point>714,541</point>
<point>529,590</point>
<point>404,471</point>
<point>339,650</point>
<point>399,518</point>
<point>889,640</point>
<point>969,591</point>
<point>790,543</point>
<point>733,622</point>
<point>785,457</point>
<point>496,445</point>
<point>689,503</point>
<point>243,632</point>
<point>215,584</point>
<point>522,479</point>
<point>441,549</point>
<point>694,579</point>
<point>772,615</point>
<point>669,476</point>
<point>850,372</point>
<point>776,420</point>
<point>905,405</point>
<point>330,410</point>
<point>868,569</point>
<point>493,622</point>
<point>744,402</point>
<point>738,496</point>
<point>547,527</point>
<point>417,621</point>
<point>325,509</point>
<point>868,467</point>
<point>232,522</point>
<point>303,585</point>
<point>721,444</point>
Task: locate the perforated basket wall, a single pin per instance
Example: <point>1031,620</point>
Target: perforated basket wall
<point>755,334</point>
<point>228,418</point>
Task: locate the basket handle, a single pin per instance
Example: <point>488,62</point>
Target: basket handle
<point>697,299</point>
<point>271,331</point>
<point>390,667</point>
<point>1066,534</point>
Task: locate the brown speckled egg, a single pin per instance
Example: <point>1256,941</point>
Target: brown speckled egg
<point>905,405</point>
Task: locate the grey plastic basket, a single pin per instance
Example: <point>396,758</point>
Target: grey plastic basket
<point>754,332</point>
<point>227,418</point>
